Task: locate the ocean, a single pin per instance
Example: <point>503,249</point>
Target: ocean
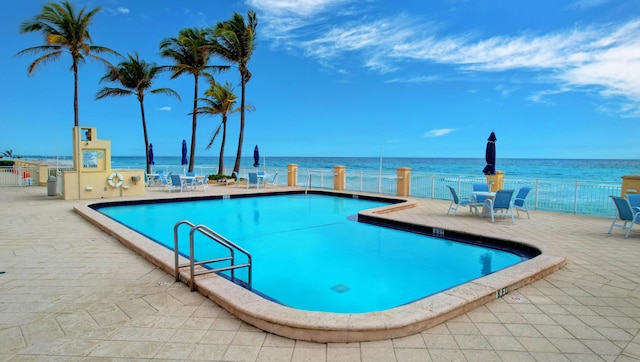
<point>562,185</point>
<point>563,169</point>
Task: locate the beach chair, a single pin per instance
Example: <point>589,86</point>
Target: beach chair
<point>274,180</point>
<point>176,183</point>
<point>634,200</point>
<point>625,213</point>
<point>261,177</point>
<point>501,205</point>
<point>162,179</point>
<point>457,202</point>
<point>520,202</point>
<point>202,182</point>
<point>253,179</point>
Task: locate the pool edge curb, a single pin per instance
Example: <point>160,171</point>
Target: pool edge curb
<point>335,327</point>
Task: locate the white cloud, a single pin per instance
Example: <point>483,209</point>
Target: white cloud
<point>601,57</point>
<point>416,79</point>
<point>294,7</point>
<point>164,109</point>
<point>587,4</point>
<point>117,11</point>
<point>438,132</point>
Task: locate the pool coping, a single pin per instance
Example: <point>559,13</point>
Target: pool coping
<point>333,327</point>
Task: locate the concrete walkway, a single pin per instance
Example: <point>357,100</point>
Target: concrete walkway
<point>71,292</point>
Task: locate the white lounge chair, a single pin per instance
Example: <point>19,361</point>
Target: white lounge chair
<point>176,183</point>
<point>457,202</point>
<point>202,182</point>
<point>520,202</point>
<point>274,180</point>
<point>501,205</point>
<point>252,179</point>
<point>626,214</point>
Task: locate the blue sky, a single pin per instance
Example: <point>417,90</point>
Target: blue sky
<point>553,79</point>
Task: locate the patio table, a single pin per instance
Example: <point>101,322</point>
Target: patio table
<point>488,195</point>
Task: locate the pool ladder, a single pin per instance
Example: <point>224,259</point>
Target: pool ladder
<point>306,190</point>
<point>229,245</point>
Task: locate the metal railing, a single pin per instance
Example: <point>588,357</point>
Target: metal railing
<point>19,175</point>
<point>219,239</point>
<point>580,197</point>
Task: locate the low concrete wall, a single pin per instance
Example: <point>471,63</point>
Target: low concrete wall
<point>94,185</point>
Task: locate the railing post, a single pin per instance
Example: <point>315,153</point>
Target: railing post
<point>630,185</point>
<point>433,186</point>
<point>404,181</point>
<point>339,179</point>
<point>575,198</point>
<point>292,175</point>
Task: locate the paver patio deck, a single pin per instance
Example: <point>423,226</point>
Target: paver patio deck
<point>72,292</point>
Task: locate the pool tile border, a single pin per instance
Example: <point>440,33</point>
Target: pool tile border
<point>334,327</point>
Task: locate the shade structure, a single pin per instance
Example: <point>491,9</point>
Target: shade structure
<point>151,154</point>
<point>184,153</point>
<point>490,155</point>
<point>256,157</point>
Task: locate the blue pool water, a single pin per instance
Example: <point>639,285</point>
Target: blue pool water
<point>309,252</point>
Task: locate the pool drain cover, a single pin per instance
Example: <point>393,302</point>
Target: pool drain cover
<point>340,288</point>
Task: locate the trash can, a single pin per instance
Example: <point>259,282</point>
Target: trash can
<point>52,186</point>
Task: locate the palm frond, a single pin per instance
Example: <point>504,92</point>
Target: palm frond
<point>213,137</point>
<point>167,92</point>
<point>112,92</point>
<point>100,50</point>
<point>39,49</point>
<point>43,60</point>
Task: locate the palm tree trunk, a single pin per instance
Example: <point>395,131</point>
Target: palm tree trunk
<point>236,167</point>
<point>194,121</point>
<point>224,139</point>
<point>146,137</point>
<point>76,118</point>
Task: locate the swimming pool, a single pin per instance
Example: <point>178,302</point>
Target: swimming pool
<point>310,253</point>
<point>298,324</point>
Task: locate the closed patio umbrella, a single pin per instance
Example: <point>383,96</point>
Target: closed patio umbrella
<point>256,157</point>
<point>490,157</point>
<point>151,154</point>
<point>184,153</point>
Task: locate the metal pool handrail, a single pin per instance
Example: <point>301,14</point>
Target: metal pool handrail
<point>203,229</point>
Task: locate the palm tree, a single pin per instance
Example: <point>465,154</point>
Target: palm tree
<point>220,100</point>
<point>234,41</point>
<point>136,76</point>
<point>191,55</point>
<point>64,31</point>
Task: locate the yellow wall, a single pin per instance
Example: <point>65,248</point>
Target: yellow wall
<point>630,185</point>
<point>92,156</point>
<point>94,185</point>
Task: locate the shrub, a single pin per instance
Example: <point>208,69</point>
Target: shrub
<point>218,177</point>
<point>6,163</point>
